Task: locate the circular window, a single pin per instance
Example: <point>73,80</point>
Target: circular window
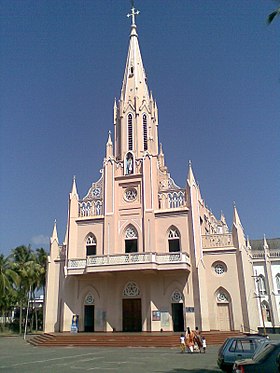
<point>219,268</point>
<point>130,194</point>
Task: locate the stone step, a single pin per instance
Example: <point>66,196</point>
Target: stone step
<point>123,339</point>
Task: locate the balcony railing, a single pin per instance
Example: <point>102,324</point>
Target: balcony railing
<point>260,254</point>
<point>217,240</point>
<point>126,259</point>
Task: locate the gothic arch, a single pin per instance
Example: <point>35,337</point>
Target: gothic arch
<point>89,289</point>
<point>90,244</point>
<point>173,239</point>
<point>129,163</point>
<point>130,131</point>
<point>223,309</point>
<point>131,239</point>
<point>131,290</point>
<point>277,281</point>
<point>266,311</point>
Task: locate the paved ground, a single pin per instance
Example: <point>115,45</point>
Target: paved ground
<point>18,356</point>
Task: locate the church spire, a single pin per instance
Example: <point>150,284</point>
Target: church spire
<point>134,81</point>
<point>54,236</point>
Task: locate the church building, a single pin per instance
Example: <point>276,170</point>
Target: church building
<point>140,252</point>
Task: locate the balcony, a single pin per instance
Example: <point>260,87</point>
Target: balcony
<point>129,262</point>
<point>210,241</point>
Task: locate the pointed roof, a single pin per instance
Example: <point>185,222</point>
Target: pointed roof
<point>74,188</point>
<point>109,141</point>
<point>134,81</point>
<point>223,218</point>
<point>265,245</point>
<point>191,178</point>
<point>248,242</point>
<point>236,219</point>
<point>109,145</point>
<point>54,236</point>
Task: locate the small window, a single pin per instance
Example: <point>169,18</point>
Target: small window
<point>278,283</point>
<point>131,240</point>
<point>173,240</point>
<point>129,131</point>
<point>91,245</point>
<point>145,132</point>
<point>262,287</point>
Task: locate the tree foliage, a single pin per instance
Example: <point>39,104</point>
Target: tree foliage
<point>22,274</point>
<point>273,15</point>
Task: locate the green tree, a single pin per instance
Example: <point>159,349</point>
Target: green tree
<point>8,282</point>
<point>40,276</point>
<point>273,15</point>
<point>27,269</point>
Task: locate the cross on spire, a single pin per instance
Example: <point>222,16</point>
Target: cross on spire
<point>133,14</point>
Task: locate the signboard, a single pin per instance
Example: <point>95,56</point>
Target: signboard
<point>156,315</point>
<point>190,309</point>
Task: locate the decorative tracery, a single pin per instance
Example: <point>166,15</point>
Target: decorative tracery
<point>89,299</point>
<point>176,296</point>
<point>130,232</point>
<point>131,290</point>
<point>173,240</point>
<point>91,245</point>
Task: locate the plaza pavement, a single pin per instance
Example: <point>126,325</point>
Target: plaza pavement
<point>18,356</point>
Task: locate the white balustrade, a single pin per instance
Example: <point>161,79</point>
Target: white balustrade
<point>124,259</point>
<point>217,240</point>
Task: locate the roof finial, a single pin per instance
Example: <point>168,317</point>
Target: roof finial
<point>133,13</point>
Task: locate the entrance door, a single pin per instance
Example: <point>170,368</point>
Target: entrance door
<point>223,316</point>
<point>178,317</point>
<point>89,318</point>
<point>132,315</point>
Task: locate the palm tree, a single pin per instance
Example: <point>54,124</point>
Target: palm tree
<point>39,277</point>
<point>41,258</point>
<point>272,15</point>
<point>8,282</point>
<point>25,265</point>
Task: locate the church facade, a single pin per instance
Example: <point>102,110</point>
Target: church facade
<point>140,252</point>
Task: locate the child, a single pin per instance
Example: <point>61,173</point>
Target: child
<point>182,343</point>
<point>203,344</point>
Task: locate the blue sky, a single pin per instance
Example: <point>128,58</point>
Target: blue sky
<point>213,67</point>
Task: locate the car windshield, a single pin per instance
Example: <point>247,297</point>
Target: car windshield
<point>263,352</point>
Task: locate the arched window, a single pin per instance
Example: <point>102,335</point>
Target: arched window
<point>129,132</point>
<point>98,206</point>
<point>266,311</point>
<point>83,209</point>
<point>173,240</point>
<point>262,287</point>
<point>131,240</point>
<point>277,278</point>
<point>176,199</point>
<point>145,132</point>
<point>91,245</point>
<point>129,164</point>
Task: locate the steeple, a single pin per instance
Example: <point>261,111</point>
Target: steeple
<point>134,81</point>
<point>74,189</point>
<point>54,236</point>
<point>191,178</point>
<point>135,114</point>
<point>236,219</point>
<point>109,146</point>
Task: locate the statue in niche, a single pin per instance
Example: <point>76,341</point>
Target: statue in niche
<point>129,164</point>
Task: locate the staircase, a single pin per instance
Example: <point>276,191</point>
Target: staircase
<point>144,339</point>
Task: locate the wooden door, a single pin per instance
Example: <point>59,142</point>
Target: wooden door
<point>223,316</point>
<point>132,315</point>
<point>89,318</point>
<point>178,317</point>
